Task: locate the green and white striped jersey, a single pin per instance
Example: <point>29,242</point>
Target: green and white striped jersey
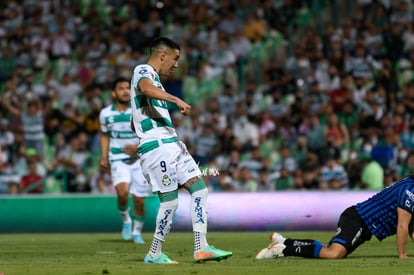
<point>118,126</point>
<point>33,126</point>
<point>151,118</point>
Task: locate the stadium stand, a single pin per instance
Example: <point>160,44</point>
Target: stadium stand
<point>310,61</point>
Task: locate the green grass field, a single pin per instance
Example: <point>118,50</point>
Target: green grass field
<point>108,254</point>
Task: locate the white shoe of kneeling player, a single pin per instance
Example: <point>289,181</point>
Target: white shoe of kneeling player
<point>274,250</point>
<point>277,238</point>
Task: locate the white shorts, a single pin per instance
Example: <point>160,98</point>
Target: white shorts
<point>169,166</point>
<point>132,174</point>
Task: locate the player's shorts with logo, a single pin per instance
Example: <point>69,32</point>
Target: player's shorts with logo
<point>130,171</point>
<point>169,166</point>
<point>352,230</point>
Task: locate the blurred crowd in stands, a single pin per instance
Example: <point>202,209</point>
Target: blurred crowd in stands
<point>278,103</point>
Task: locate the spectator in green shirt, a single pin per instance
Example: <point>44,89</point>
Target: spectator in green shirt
<point>284,181</point>
<point>372,177</point>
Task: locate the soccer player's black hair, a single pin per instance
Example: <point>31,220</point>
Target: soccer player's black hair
<point>118,80</point>
<point>163,41</point>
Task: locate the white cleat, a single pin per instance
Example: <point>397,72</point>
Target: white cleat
<point>274,250</point>
<point>277,238</point>
<point>265,253</point>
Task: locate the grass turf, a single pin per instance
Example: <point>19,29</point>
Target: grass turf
<point>107,254</point>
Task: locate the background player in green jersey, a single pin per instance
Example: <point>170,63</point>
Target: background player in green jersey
<point>119,155</point>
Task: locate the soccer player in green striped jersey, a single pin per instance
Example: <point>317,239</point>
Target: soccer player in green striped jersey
<point>119,145</point>
<point>165,160</point>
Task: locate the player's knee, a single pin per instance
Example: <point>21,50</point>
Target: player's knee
<point>172,204</point>
<point>336,253</point>
<point>201,192</point>
<point>122,191</point>
<point>139,202</point>
<point>169,197</point>
<point>123,195</point>
<point>197,185</point>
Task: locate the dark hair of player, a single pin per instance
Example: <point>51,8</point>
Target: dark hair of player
<point>160,43</point>
<point>118,80</point>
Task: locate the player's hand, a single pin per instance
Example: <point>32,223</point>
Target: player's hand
<point>130,149</point>
<point>104,165</point>
<point>185,109</point>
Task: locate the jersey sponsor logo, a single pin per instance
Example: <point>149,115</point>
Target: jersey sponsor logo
<point>410,194</point>
<point>159,103</point>
<point>123,135</point>
<point>166,180</point>
<point>143,71</point>
<point>143,101</point>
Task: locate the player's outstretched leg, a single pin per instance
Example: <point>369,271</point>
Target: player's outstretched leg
<point>202,250</point>
<point>280,247</point>
<point>274,250</point>
<point>210,253</point>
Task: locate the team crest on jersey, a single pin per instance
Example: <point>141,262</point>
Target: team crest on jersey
<point>166,180</point>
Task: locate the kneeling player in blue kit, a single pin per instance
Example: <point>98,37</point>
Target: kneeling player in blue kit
<point>387,213</point>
